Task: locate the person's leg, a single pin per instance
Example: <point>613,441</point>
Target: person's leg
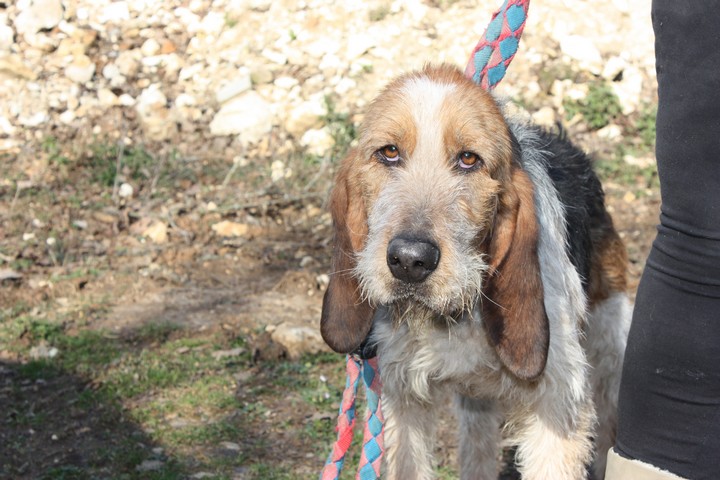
<point>669,406</point>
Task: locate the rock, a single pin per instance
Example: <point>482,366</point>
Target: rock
<point>14,66</point>
<point>81,69</point>
<point>545,117</point>
<point>43,351</point>
<point>34,120</point>
<point>583,51</point>
<point>157,232</point>
<point>614,68</point>
<point>629,90</point>
<point>6,37</point>
<point>107,98</point>
<point>128,63</point>
<point>6,128</point>
<point>115,12</point>
<point>126,190</point>
<point>150,47</point>
<point>248,115</point>
<point>227,228</point>
<point>317,141</point>
<point>39,15</point>
<point>154,114</point>
<point>9,274</point>
<point>298,340</point>
<point>278,171</point>
<point>240,83</point>
<point>305,116</point>
<point>150,466</point>
<point>261,75</point>
<point>610,132</point>
<point>235,352</point>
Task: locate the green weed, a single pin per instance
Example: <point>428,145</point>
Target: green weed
<point>600,107</point>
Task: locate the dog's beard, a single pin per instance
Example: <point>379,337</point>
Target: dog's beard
<point>413,311</point>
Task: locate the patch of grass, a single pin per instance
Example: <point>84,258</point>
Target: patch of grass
<point>66,472</point>
<point>263,471</point>
<point>134,162</point>
<point>50,146</point>
<point>645,126</point>
<point>341,128</point>
<point>38,369</point>
<point>600,107</point>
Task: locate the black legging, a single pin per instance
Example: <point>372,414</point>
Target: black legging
<point>669,413</point>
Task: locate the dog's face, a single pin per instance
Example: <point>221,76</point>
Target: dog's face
<point>431,210</point>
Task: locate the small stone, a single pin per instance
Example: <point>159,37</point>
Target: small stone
<point>278,171</point>
<point>107,98</point>
<point>317,141</point>
<point>629,197</point>
<point>9,274</point>
<point>583,51</point>
<point>261,75</point>
<point>81,70</point>
<point>154,115</point>
<point>629,90</point>
<point>157,232</point>
<point>6,37</point>
<point>126,190</point>
<point>111,71</point>
<point>150,466</point>
<point>241,83</point>
<point>67,117</point>
<point>6,128</point>
<point>128,63</point>
<point>38,15</point>
<point>115,12</point>
<point>34,120</point>
<point>230,446</point>
<point>614,68</point>
<point>150,47</point>
<point>305,116</point>
<point>80,224</point>
<point>610,132</point>
<point>235,352</point>
<point>14,66</point>
<point>545,117</point>
<point>298,340</point>
<point>227,228</point>
<point>43,351</point>
<point>248,115</point>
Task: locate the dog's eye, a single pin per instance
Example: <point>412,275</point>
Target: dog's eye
<point>389,154</point>
<point>468,160</point>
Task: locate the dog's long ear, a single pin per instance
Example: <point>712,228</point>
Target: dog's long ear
<point>346,318</point>
<point>514,310</point>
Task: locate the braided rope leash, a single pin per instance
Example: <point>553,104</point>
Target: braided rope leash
<point>487,66</point>
<point>497,46</point>
<point>372,450</point>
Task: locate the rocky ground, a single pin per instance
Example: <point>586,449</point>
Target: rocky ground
<point>166,163</point>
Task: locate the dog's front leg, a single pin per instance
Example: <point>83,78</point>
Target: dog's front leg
<point>409,434</point>
<point>552,446</point>
<point>479,421</point>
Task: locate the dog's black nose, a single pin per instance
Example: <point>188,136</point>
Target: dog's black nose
<point>412,260</point>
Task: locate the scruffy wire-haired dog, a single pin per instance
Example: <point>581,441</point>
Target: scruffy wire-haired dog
<point>477,254</point>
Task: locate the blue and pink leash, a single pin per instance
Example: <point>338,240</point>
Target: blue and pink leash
<point>487,66</point>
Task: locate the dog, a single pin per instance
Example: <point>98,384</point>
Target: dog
<point>475,253</point>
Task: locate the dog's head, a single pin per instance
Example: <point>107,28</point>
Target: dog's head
<point>432,209</point>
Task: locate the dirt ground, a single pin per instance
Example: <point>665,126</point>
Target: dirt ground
<point>101,274</point>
